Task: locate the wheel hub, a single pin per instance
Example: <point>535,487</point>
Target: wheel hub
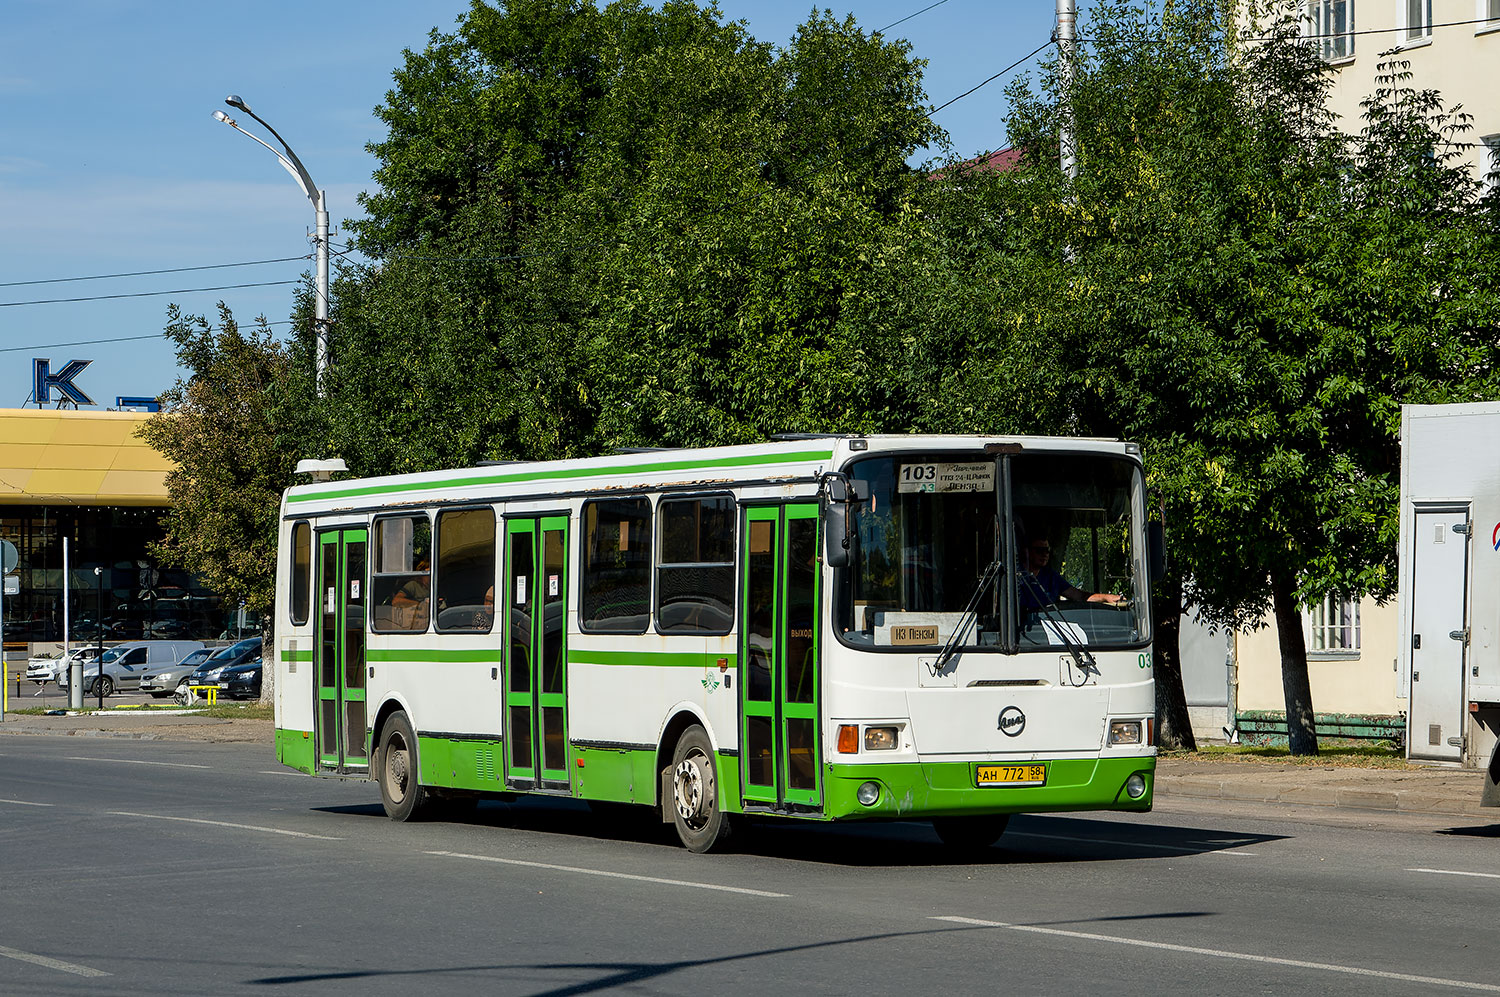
<point>688,790</point>
<point>396,773</point>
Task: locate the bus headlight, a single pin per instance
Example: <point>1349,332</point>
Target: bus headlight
<point>881,739</point>
<point>867,793</point>
<point>1125,732</point>
<point>1135,786</point>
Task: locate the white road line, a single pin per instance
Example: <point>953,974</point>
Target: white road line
<point>41,960</point>
<point>1207,850</point>
<point>225,823</point>
<point>23,803</point>
<point>1457,872</point>
<point>135,761</point>
<point>611,875</point>
<point>1327,967</point>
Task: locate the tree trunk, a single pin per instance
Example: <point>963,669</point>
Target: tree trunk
<point>1174,728</point>
<point>1302,731</point>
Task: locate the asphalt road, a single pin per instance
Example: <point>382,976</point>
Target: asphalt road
<point>157,867</point>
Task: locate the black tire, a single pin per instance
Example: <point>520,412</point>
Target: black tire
<point>970,834</point>
<point>396,771</point>
<point>702,825</point>
<point>107,683</point>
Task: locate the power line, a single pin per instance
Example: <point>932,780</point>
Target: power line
<point>147,294</point>
<point>908,17</point>
<point>149,273</point>
<point>96,342</point>
<point>992,78</point>
<point>1335,34</point>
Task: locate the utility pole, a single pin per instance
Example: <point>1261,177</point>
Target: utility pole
<point>1067,127</point>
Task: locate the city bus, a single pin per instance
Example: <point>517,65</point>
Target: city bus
<point>820,628</point>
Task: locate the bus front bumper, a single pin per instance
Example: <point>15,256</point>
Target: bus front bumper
<point>951,789</point>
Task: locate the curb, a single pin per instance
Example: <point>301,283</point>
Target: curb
<point>1347,798</point>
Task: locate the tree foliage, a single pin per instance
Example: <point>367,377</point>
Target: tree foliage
<point>630,226</point>
<point>234,427</point>
<point>1247,292</point>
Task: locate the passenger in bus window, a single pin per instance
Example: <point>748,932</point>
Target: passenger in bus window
<point>410,601</point>
<point>483,617</point>
<point>1041,586</point>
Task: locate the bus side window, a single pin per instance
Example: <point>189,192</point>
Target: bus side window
<point>465,579</point>
<point>616,588</point>
<point>695,572</point>
<point>301,603</point>
<point>402,580</point>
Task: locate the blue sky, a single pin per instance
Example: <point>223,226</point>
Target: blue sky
<point>110,161</point>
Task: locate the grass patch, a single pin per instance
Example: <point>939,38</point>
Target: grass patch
<point>222,711</point>
<point>1370,756</point>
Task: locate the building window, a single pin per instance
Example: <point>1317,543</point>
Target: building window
<point>1417,21</point>
<point>695,573</point>
<point>1489,159</point>
<point>1333,625</point>
<point>1330,25</point>
<point>1489,10</point>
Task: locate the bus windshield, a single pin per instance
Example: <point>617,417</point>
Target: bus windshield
<point>929,557</point>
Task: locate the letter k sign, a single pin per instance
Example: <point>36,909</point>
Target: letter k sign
<point>44,380</point>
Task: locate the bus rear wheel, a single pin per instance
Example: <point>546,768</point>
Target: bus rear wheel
<point>970,834</point>
<point>401,794</point>
<point>701,823</point>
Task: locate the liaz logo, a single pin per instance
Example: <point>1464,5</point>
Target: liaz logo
<point>1012,721</point>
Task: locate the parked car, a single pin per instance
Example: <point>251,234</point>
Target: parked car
<point>47,667</point>
<point>124,664</point>
<point>162,682</point>
<point>208,672</point>
<point>241,681</point>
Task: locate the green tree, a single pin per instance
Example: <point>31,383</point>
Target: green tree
<point>1249,294</point>
<point>234,427</point>
<point>627,226</point>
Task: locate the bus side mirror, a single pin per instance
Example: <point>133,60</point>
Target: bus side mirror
<point>1156,551</point>
<point>838,494</point>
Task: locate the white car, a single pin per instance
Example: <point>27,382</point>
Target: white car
<point>47,667</point>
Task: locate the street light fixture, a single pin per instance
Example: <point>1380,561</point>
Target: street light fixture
<point>294,166</point>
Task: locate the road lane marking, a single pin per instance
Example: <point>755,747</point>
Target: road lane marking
<point>225,823</point>
<point>1458,872</point>
<point>1208,849</point>
<point>136,761</point>
<point>24,803</point>
<point>1271,960</point>
<point>41,960</point>
<point>611,875</point>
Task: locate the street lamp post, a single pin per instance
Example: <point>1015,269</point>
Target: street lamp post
<point>294,166</point>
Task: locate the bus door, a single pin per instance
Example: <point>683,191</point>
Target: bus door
<point>779,659</point>
<point>533,613</point>
<point>341,651</point>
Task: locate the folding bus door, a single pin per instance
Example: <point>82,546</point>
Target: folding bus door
<point>780,659</point>
<point>340,719</point>
<point>534,633</point>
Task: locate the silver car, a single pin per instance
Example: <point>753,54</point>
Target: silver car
<point>123,666</point>
<point>163,682</point>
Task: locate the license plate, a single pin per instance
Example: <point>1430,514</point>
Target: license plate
<point>1012,775</point>
<point>223,685</point>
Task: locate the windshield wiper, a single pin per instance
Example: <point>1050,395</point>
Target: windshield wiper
<point>1082,657</point>
<point>991,571</point>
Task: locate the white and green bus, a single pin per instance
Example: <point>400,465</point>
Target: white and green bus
<point>822,628</point>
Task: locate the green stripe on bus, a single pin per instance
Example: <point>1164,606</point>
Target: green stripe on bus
<point>396,488</point>
<point>490,655</point>
<point>649,659</point>
<point>295,654</point>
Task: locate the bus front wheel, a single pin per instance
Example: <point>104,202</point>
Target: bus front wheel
<point>396,770</point>
<point>701,823</point>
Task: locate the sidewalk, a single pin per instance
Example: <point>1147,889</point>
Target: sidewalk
<point>164,725</point>
<point>1415,790</point>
